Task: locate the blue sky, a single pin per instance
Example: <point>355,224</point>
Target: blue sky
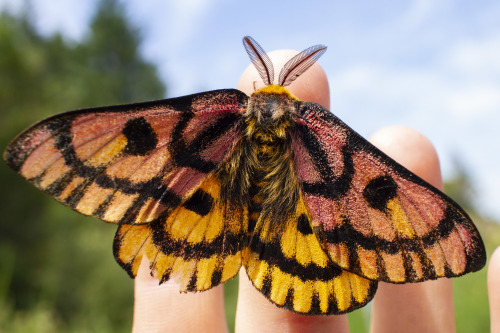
<point>430,65</point>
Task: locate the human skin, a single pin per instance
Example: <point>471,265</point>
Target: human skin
<point>493,290</point>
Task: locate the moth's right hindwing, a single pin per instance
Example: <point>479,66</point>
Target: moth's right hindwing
<point>293,271</point>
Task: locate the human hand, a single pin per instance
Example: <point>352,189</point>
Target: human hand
<point>421,307</point>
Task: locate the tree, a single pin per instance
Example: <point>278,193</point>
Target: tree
<point>117,69</point>
<point>461,189</point>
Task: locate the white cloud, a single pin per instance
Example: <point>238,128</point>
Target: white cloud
<point>170,28</point>
<point>355,78</point>
<point>389,89</point>
<point>188,18</point>
<point>12,6</point>
<point>70,18</point>
<point>463,82</point>
<point>474,100</point>
<point>174,21</point>
<point>419,11</point>
<point>475,57</point>
<point>474,67</point>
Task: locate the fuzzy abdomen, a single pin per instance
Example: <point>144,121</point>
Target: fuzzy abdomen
<point>260,175</point>
<point>273,191</point>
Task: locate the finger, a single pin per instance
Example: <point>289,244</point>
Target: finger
<point>255,313</point>
<point>493,290</point>
<point>417,307</point>
<point>162,308</point>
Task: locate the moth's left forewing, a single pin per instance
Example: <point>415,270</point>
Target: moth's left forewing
<point>129,163</point>
<point>373,216</point>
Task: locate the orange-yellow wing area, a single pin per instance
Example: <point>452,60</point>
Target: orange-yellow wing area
<point>130,163</point>
<point>198,245</point>
<point>286,263</point>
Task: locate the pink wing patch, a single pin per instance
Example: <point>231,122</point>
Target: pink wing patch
<point>130,163</point>
<point>373,216</point>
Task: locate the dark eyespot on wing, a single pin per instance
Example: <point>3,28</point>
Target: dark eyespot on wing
<point>379,191</point>
<point>141,138</point>
<point>200,202</point>
<point>303,225</point>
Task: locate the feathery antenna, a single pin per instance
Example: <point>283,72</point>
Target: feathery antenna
<point>259,59</point>
<point>299,64</point>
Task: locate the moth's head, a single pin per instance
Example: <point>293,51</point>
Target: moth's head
<point>271,104</point>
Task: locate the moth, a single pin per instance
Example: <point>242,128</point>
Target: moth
<point>204,184</point>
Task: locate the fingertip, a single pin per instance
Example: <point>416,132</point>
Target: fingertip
<point>255,313</point>
<point>253,308</point>
<point>494,271</point>
<point>411,149</point>
<point>493,288</point>
<point>433,300</point>
<point>494,261</point>
<point>161,307</point>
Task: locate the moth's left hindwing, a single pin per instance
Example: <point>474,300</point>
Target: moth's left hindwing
<point>372,216</point>
<point>199,244</point>
<point>150,164</point>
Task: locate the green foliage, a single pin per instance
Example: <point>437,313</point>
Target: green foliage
<point>230,301</point>
<point>359,320</point>
<point>470,292</point>
<point>57,271</point>
<point>460,187</point>
<point>117,68</point>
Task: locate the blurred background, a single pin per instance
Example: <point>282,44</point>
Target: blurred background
<point>430,65</point>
